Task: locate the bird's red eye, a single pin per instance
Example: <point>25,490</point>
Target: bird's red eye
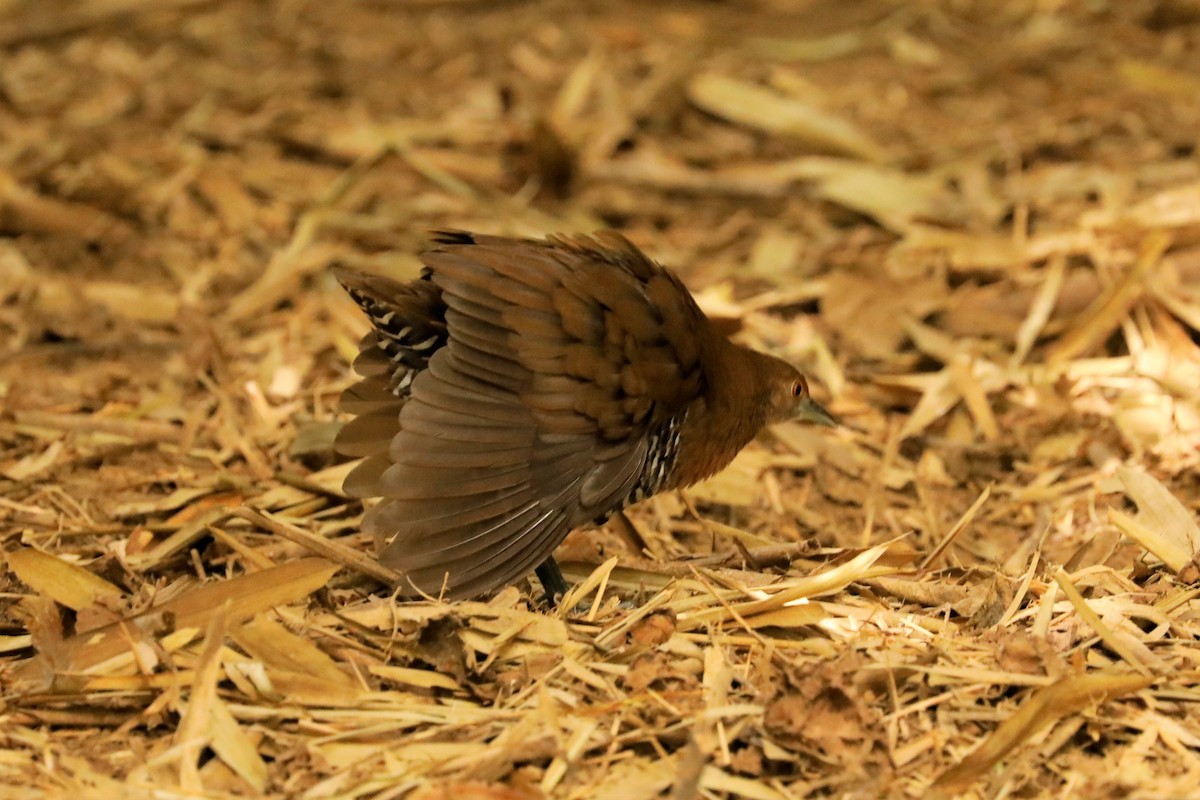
<point>799,388</point>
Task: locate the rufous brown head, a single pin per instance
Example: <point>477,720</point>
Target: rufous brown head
<point>790,399</point>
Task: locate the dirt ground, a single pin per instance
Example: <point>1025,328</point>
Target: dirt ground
<point>974,224</point>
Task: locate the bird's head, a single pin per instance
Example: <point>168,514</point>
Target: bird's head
<point>790,400</point>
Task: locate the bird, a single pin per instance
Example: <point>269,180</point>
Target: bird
<point>521,388</point>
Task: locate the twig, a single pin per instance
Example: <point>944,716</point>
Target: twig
<point>144,430</point>
<point>321,546</point>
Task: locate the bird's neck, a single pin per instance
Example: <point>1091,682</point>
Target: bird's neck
<point>725,418</point>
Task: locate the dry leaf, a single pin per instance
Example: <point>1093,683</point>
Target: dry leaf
<point>247,596</point>
<point>68,584</point>
<point>763,109</point>
<point>1048,705</point>
<point>1166,522</point>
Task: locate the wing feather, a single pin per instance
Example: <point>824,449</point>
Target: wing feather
<point>363,480</point>
<point>367,435</point>
<point>534,416</point>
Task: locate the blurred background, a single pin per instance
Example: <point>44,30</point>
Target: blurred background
<point>974,223</point>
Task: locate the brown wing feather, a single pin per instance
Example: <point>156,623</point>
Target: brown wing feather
<point>408,321</point>
<point>537,413</point>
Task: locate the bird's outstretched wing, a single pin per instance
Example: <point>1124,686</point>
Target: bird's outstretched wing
<point>554,399</point>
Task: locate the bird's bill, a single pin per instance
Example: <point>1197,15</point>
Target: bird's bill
<point>810,410</point>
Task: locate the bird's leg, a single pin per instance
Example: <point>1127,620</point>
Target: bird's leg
<point>552,580</point>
